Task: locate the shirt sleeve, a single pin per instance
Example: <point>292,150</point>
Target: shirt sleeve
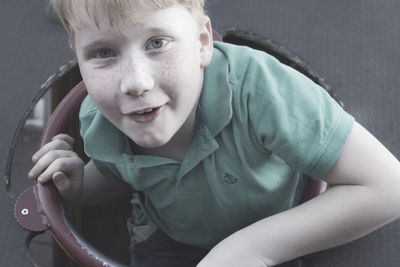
<point>288,114</point>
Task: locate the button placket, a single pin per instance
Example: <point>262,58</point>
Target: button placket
<point>187,187</point>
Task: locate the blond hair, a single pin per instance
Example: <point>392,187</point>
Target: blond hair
<point>118,11</point>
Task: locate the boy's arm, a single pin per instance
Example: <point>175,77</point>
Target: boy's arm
<point>364,194</point>
<point>76,183</point>
<point>99,189</point>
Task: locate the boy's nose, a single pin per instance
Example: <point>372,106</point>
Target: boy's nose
<point>137,80</point>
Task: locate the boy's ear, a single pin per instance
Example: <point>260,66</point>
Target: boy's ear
<point>206,43</point>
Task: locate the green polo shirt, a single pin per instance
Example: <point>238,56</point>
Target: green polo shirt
<point>260,125</point>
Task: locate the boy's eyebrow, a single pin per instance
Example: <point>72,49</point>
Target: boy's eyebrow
<point>157,29</point>
<point>100,41</point>
<point>95,43</point>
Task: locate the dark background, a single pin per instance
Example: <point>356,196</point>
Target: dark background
<point>352,44</point>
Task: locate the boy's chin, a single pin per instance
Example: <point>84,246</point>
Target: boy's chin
<point>149,144</point>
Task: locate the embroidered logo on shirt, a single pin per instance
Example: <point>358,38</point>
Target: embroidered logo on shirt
<point>230,179</point>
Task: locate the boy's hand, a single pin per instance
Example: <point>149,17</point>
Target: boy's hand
<point>56,161</point>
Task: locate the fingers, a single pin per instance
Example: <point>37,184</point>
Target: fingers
<point>66,174</point>
<point>59,142</point>
<point>53,152</point>
<point>58,162</point>
<point>55,161</point>
<point>66,138</point>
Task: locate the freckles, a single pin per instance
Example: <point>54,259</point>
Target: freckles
<point>178,67</point>
<point>96,85</point>
<point>170,67</point>
<point>96,81</point>
<point>100,89</point>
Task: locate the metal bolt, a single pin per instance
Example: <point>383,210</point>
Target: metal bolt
<point>25,212</point>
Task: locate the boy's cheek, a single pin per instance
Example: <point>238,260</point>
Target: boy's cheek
<point>97,82</point>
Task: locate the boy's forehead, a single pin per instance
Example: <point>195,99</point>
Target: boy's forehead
<point>83,14</point>
<point>146,19</point>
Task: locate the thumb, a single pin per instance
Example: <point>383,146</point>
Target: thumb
<point>62,182</point>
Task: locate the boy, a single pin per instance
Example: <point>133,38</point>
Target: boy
<point>212,138</point>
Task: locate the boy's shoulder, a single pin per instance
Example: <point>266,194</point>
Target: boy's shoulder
<point>236,51</point>
<point>231,67</point>
<point>238,60</point>
<point>236,55</point>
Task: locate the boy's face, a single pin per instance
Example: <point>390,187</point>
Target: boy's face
<point>146,78</point>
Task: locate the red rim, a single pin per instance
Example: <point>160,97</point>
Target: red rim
<point>47,195</point>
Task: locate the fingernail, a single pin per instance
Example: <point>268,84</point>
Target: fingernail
<point>57,178</point>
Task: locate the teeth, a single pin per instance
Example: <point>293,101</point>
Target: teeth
<point>144,111</point>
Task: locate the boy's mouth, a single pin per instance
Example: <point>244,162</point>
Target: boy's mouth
<point>146,111</point>
<point>146,115</point>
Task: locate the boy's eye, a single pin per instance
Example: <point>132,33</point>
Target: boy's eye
<point>104,53</point>
<point>156,43</point>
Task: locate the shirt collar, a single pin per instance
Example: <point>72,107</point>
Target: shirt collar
<point>103,141</point>
<point>216,95</point>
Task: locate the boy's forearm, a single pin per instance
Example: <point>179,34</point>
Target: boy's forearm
<point>364,195</point>
<point>98,189</point>
<point>338,216</point>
